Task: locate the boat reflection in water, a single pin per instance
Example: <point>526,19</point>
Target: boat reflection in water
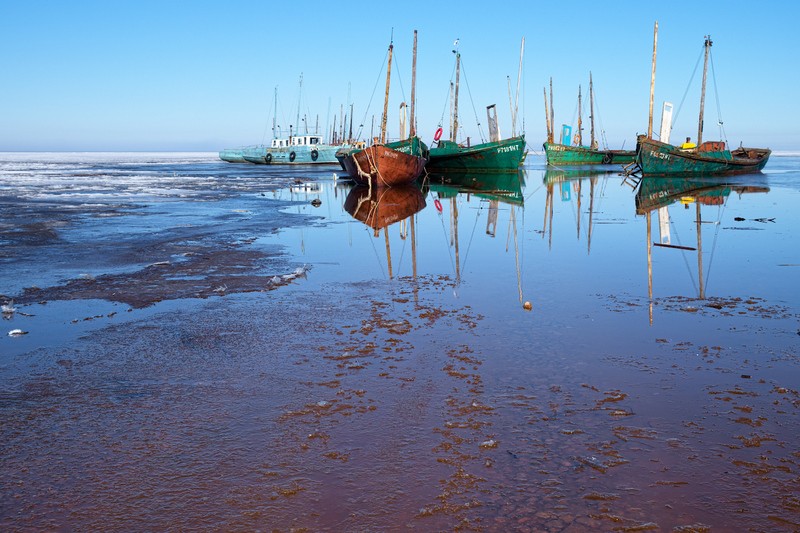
<point>570,183</point>
<point>657,194</point>
<point>380,207</point>
<point>495,188</point>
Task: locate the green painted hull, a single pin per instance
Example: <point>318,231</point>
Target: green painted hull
<point>503,186</point>
<point>661,159</point>
<point>506,155</point>
<point>564,155</point>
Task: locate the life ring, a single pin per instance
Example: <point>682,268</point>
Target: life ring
<point>292,155</point>
<point>314,155</point>
<point>438,134</point>
<point>438,205</point>
<point>268,158</point>
<point>607,159</point>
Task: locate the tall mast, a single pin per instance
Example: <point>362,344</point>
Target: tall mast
<point>552,114</point>
<point>707,46</point>
<point>652,83</point>
<point>511,107</point>
<point>275,112</point>
<point>413,128</point>
<point>455,98</point>
<point>547,117</point>
<point>299,99</point>
<point>516,96</point>
<point>593,143</point>
<point>386,95</point>
<point>578,135</point>
<point>350,134</point>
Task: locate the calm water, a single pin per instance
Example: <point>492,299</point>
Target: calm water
<point>208,350</point>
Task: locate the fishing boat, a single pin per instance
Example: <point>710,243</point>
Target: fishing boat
<point>711,158</point>
<point>565,153</point>
<point>233,155</point>
<point>495,155</point>
<point>387,164</point>
<point>294,150</point>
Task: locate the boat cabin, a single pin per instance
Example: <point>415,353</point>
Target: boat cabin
<point>297,140</point>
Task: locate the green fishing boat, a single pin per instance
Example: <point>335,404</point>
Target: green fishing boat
<point>503,155</point>
<point>496,155</point>
<point>711,158</point>
<point>565,153</point>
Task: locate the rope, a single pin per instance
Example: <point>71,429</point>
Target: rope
<point>722,134</point>
<point>469,244</point>
<point>472,102</point>
<point>375,88</point>
<point>696,65</point>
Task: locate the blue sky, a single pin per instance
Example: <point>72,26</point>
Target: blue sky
<point>174,75</point>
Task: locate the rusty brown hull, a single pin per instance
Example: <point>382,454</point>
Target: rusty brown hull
<point>382,207</point>
<point>383,166</point>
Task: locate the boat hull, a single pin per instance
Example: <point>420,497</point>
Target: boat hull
<point>661,159</point>
<point>506,155</point>
<point>232,155</point>
<point>292,155</point>
<point>565,155</point>
<point>385,165</point>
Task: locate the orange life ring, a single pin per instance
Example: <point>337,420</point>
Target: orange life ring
<point>437,135</point>
<point>438,204</point>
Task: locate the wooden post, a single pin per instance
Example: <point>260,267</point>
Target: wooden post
<point>652,83</point>
<point>388,250</point>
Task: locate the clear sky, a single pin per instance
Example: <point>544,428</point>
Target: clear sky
<point>198,75</point>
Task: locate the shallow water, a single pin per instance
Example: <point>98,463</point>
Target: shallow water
<point>311,375</point>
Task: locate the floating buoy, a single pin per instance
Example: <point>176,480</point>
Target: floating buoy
<point>438,205</point>
<point>527,306</point>
<point>437,135</point>
<point>316,202</point>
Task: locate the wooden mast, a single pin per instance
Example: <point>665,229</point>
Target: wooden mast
<point>413,128</point>
<point>552,114</point>
<point>593,143</point>
<point>454,133</point>
<point>386,96</point>
<point>547,117</point>
<point>578,135</point>
<point>707,46</point>
<point>700,247</point>
<point>652,83</point>
<point>516,95</point>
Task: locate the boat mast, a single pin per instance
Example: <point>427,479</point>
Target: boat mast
<point>552,114</point>
<point>547,117</point>
<point>516,96</point>
<point>413,127</point>
<point>299,99</point>
<point>593,143</point>
<point>386,95</point>
<point>652,83</point>
<point>578,135</point>
<point>455,98</point>
<point>275,112</point>
<point>707,46</point>
<point>350,134</point>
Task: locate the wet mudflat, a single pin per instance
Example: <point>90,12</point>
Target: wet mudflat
<point>207,350</point>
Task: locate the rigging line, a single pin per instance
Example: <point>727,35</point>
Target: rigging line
<point>375,88</point>
<point>683,254</point>
<point>469,245</point>
<point>377,259</point>
<point>447,100</point>
<point>534,192</point>
<point>716,96</point>
<point>720,212</point>
<point>686,92</point>
<point>266,126</point>
<point>472,102</point>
